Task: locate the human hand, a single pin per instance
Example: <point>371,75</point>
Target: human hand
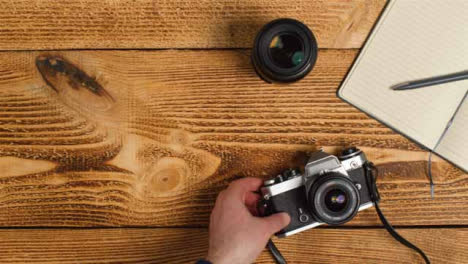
<point>237,234</point>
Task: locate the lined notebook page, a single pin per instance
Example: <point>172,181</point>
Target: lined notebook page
<point>414,39</point>
<point>454,145</point>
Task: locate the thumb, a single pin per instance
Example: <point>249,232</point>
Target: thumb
<point>276,222</point>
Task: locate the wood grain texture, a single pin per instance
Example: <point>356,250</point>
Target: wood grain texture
<point>165,131</point>
<point>171,246</point>
<point>126,24</point>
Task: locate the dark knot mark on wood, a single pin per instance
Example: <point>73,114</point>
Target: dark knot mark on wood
<point>51,67</point>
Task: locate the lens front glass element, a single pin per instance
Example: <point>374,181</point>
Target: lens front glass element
<point>286,50</point>
<point>336,200</point>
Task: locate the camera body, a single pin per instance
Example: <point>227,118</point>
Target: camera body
<point>330,191</point>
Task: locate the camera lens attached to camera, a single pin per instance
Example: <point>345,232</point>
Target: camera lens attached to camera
<point>335,199</point>
<point>285,50</point>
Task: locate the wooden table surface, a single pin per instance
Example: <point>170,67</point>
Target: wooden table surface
<point>84,179</point>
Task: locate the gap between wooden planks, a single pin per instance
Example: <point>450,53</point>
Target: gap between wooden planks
<point>125,24</point>
<point>180,127</point>
<point>186,245</point>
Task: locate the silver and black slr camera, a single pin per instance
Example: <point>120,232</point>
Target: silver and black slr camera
<point>330,191</point>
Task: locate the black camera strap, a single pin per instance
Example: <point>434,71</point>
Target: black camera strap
<point>375,197</point>
<point>279,259</point>
<point>371,184</point>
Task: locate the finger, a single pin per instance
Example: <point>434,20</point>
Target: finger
<point>251,199</point>
<point>276,222</point>
<point>217,205</point>
<point>220,200</point>
<point>253,210</point>
<point>238,188</point>
<point>220,197</point>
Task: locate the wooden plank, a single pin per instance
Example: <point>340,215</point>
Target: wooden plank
<point>170,246</point>
<point>160,133</point>
<point>126,24</point>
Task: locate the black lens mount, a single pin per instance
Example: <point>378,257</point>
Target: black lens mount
<point>285,50</point>
<point>334,199</point>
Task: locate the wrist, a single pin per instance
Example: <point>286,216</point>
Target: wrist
<point>212,260</point>
<point>203,261</point>
<point>216,259</point>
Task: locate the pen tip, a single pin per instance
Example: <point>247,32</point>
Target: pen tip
<point>398,87</point>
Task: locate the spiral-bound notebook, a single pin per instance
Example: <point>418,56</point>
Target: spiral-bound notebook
<point>415,40</point>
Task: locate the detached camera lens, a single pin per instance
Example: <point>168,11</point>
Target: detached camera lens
<point>334,199</point>
<point>285,50</point>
